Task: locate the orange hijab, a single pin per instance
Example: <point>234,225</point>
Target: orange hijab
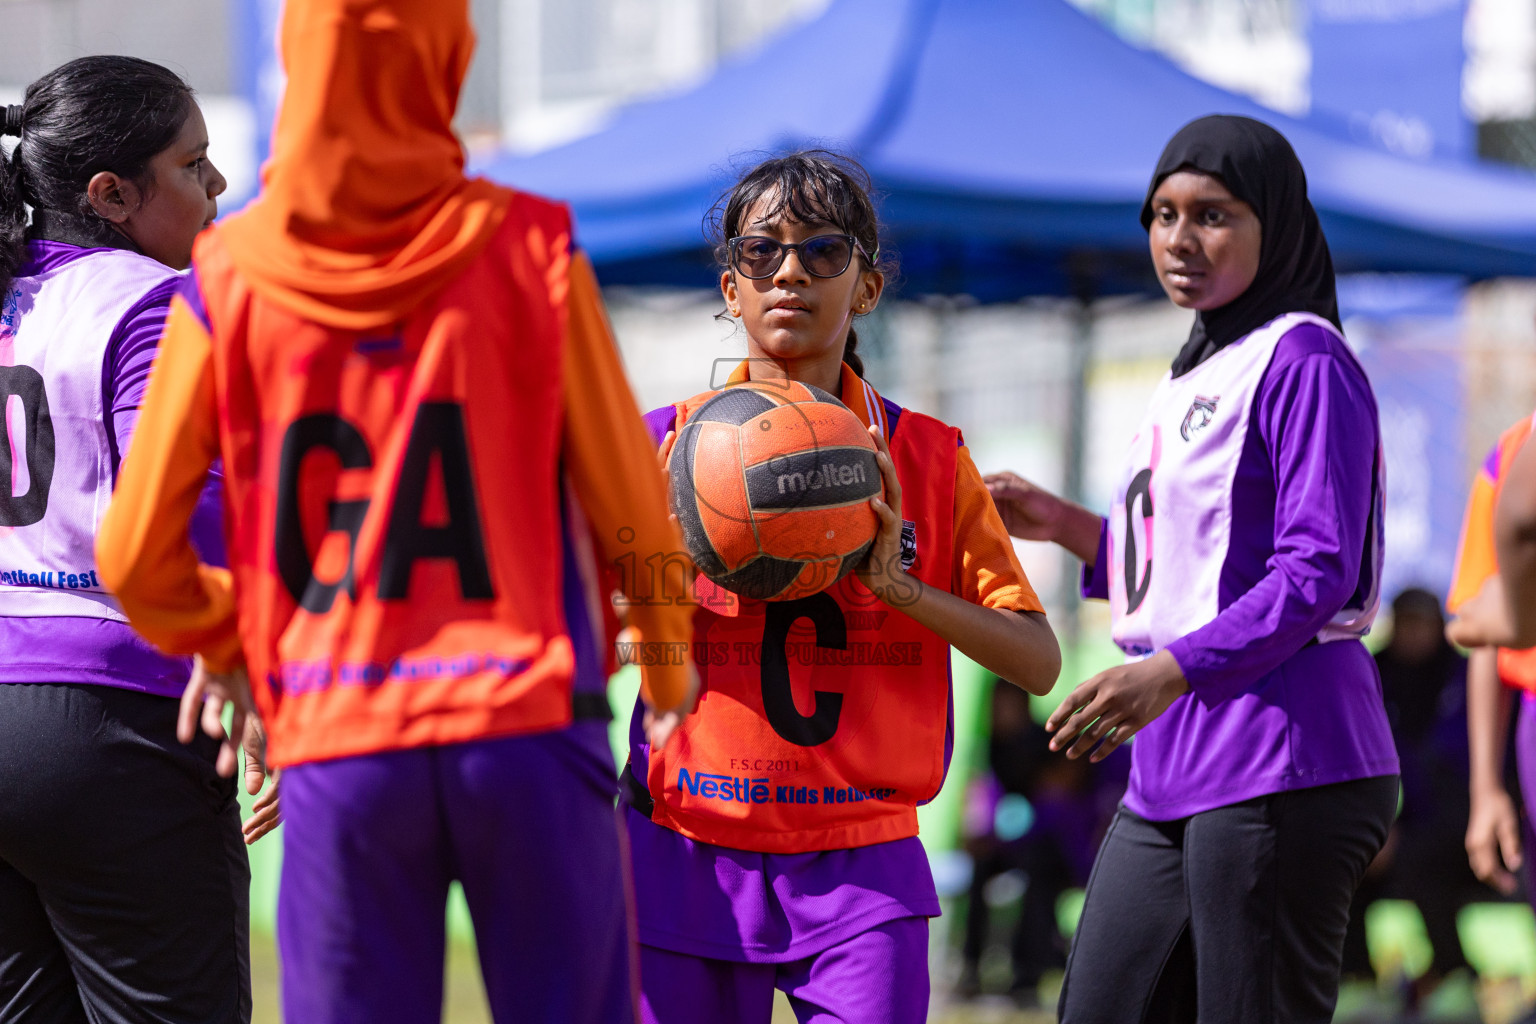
<point>365,210</point>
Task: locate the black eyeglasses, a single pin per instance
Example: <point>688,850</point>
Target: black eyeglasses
<point>757,256</point>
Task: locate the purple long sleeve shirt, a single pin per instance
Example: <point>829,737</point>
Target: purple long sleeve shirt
<point>77,649</point>
<point>1268,710</point>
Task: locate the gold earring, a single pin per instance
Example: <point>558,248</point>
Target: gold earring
<point>735,312</point>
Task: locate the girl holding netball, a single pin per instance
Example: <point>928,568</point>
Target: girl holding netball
<point>1241,559</point>
<point>816,883</point>
<point>123,881</point>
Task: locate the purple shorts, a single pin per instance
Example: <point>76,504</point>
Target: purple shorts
<point>526,824</point>
<point>879,976</point>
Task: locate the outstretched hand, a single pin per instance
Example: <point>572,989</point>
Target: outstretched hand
<point>1032,513</point>
<point>1028,512</point>
<point>1115,705</point>
<point>203,702</point>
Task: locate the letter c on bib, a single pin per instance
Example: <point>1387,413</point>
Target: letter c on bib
<point>1136,590</point>
<point>778,700</point>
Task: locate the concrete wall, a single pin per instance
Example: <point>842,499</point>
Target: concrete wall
<point>190,36</point>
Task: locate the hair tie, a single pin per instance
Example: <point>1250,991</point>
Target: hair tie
<point>12,126</point>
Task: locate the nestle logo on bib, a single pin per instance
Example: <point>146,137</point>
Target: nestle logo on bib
<point>1201,411</point>
<point>826,475</point>
<point>724,787</point>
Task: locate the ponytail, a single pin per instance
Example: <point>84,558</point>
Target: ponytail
<point>13,210</point>
<point>850,356</point>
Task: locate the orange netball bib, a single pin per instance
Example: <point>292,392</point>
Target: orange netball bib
<point>394,503</point>
<point>822,722</point>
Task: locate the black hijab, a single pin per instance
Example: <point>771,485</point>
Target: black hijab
<point>1258,166</point>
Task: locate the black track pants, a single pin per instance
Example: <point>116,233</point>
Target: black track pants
<point>1238,913</point>
<point>124,884</point>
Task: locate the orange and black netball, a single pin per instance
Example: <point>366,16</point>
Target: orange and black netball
<point>771,481</point>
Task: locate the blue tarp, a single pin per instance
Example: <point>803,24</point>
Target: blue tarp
<point>1012,139</point>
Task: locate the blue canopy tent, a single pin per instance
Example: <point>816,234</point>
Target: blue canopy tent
<point>1012,139</point>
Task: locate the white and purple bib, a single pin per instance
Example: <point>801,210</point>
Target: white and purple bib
<point>56,467</point>
<point>1171,523</point>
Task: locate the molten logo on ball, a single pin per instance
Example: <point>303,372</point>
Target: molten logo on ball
<point>823,476</point>
<point>771,484</point>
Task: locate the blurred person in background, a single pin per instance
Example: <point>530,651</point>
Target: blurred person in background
<point>1042,816</point>
<point>124,885</point>
<point>1424,684</point>
<point>1495,675</point>
<point>1242,560</point>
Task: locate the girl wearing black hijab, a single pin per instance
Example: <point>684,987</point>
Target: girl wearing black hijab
<point>1242,560</point>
